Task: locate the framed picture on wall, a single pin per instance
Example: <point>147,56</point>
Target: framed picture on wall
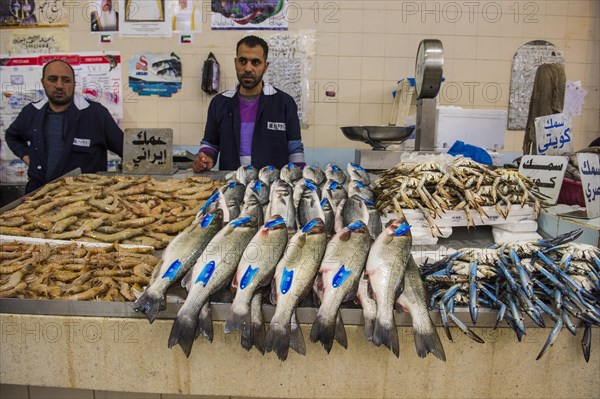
<point>144,10</point>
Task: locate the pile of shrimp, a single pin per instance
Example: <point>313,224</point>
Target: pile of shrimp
<point>74,272</point>
<point>124,209</point>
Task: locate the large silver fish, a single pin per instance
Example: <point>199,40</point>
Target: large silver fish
<point>234,197</point>
<point>299,188</point>
<point>357,187</point>
<point>281,202</point>
<point>309,206</point>
<point>334,173</point>
<point>340,271</point>
<point>334,192</point>
<point>213,269</point>
<point>177,259</point>
<point>357,172</point>
<point>246,173</point>
<point>413,300</point>
<point>290,173</point>
<point>349,211</point>
<point>328,216</point>
<point>255,269</point>
<point>294,276</point>
<point>268,174</point>
<point>367,303</point>
<point>385,268</point>
<point>314,173</point>
<point>260,189</point>
<point>252,206</point>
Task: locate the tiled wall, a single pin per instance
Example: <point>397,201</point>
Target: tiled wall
<point>364,47</point>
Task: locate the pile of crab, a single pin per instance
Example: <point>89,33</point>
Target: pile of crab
<point>461,184</point>
<point>553,279</point>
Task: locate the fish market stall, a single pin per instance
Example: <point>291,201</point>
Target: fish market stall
<point>468,322</point>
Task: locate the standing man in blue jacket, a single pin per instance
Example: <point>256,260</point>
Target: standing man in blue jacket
<point>255,123</point>
<point>63,132</point>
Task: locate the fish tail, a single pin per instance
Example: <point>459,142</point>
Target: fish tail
<point>296,337</point>
<point>183,333</point>
<point>429,343</point>
<point>369,327</point>
<point>149,305</point>
<point>323,331</point>
<point>253,334</point>
<point>386,334</point>
<point>278,339</point>
<point>239,317</point>
<point>205,326</point>
<point>340,331</point>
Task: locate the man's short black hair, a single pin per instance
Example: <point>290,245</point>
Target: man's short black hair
<point>58,60</point>
<point>253,41</point>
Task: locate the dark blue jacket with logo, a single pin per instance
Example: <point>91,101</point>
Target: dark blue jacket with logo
<point>90,130</point>
<point>276,139</point>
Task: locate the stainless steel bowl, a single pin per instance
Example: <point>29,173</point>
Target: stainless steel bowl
<point>379,137</point>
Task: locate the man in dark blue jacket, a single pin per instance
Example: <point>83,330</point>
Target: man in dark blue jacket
<point>63,132</point>
<point>255,123</point>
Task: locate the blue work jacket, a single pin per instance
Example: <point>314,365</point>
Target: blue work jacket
<point>276,125</point>
<point>90,130</point>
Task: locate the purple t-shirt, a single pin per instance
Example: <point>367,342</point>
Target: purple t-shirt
<point>248,109</point>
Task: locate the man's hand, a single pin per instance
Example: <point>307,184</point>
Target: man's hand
<point>25,159</point>
<point>203,163</point>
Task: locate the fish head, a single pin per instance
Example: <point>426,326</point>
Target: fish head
<point>399,228</point>
<point>326,205</point>
<point>275,223</point>
<point>314,226</point>
<point>356,227</point>
<point>242,221</point>
<point>213,218</point>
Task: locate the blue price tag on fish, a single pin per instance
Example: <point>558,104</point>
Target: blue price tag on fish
<point>356,225</point>
<point>402,229</point>
<point>340,276</point>
<point>172,270</point>
<point>206,273</point>
<point>209,201</point>
<point>240,221</point>
<point>206,220</point>
<point>357,167</point>
<point>287,278</point>
<point>334,185</point>
<point>274,222</point>
<point>248,276</point>
<point>257,186</point>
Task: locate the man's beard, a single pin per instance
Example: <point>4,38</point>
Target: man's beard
<point>64,100</point>
<point>252,84</point>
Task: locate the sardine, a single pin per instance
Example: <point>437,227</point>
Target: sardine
<point>255,269</point>
<point>268,174</point>
<point>385,268</point>
<point>357,172</point>
<point>246,173</point>
<point>177,259</point>
<point>294,276</point>
<point>334,173</point>
<point>290,173</point>
<point>213,269</point>
<point>314,173</point>
<point>338,278</point>
<point>413,300</point>
<point>309,206</point>
<point>281,203</point>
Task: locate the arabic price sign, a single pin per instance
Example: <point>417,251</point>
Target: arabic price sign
<point>589,167</point>
<point>553,134</point>
<point>546,172</point>
<point>148,151</point>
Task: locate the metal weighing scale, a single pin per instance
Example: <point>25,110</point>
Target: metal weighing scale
<point>428,79</point>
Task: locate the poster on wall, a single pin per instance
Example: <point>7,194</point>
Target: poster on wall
<point>97,76</point>
<point>39,41</point>
<point>104,16</point>
<point>250,14</point>
<point>290,62</point>
<point>155,74</point>
<point>33,13</point>
<point>186,16</point>
<point>144,18</point>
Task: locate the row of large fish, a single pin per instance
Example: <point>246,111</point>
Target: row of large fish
<point>251,251</point>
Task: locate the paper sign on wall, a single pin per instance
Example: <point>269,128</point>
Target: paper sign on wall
<point>553,134</point>
<point>148,151</point>
<point>546,172</point>
<point>589,167</point>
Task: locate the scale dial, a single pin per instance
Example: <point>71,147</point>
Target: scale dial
<point>429,67</point>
